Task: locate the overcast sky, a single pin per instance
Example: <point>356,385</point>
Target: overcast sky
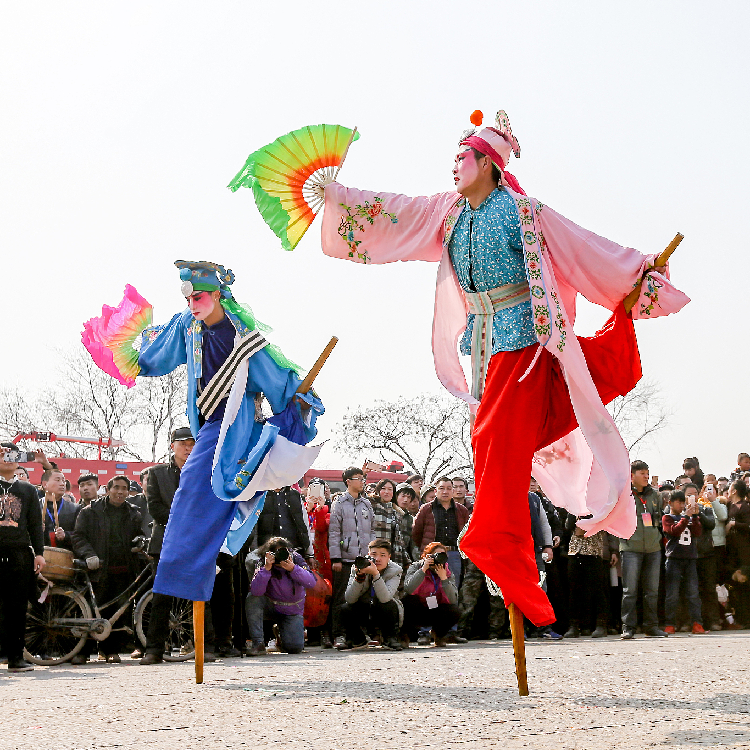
<point>123,123</point>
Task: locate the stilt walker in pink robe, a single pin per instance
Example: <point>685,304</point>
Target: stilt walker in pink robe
<point>509,272</point>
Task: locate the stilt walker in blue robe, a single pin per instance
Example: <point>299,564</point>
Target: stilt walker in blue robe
<point>238,455</point>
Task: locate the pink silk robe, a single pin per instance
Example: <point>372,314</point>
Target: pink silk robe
<point>587,471</point>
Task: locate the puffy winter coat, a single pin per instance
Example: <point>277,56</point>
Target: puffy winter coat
<point>350,529</point>
<point>384,588</point>
<point>91,536</point>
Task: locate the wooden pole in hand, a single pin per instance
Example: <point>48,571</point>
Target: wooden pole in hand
<point>198,638</point>
<point>306,384</point>
<point>632,298</point>
<point>519,648</point>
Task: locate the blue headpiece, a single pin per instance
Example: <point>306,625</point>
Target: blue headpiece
<point>203,276</point>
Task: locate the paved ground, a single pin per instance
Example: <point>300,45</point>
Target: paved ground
<point>681,692</point>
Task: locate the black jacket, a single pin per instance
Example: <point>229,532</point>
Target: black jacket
<point>67,513</point>
<point>20,519</point>
<point>141,503</point>
<point>268,522</point>
<point>91,536</point>
<point>163,480</point>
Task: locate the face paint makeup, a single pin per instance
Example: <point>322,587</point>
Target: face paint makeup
<point>465,170</point>
<point>201,304</point>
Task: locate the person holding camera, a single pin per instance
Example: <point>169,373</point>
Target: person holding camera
<point>277,594</point>
<point>371,601</point>
<point>682,527</point>
<point>431,595</point>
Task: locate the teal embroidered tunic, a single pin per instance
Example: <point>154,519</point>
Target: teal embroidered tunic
<point>486,251</point>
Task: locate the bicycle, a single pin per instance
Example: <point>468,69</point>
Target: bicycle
<point>58,625</point>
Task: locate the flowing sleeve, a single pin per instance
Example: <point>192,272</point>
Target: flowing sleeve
<point>164,348</point>
<point>603,271</point>
<point>370,227</point>
<point>279,386</point>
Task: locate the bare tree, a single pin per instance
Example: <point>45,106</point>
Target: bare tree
<point>17,411</point>
<point>160,403</point>
<point>640,414</point>
<point>91,402</point>
<point>429,433</point>
<point>85,401</point>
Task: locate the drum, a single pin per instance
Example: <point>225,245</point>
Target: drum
<point>59,565</point>
<point>317,602</point>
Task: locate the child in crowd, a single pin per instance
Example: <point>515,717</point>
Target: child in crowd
<point>682,527</point>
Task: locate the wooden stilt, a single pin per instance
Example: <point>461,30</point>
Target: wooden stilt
<point>519,648</point>
<point>198,611</point>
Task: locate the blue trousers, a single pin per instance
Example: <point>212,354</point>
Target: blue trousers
<point>291,627</point>
<point>198,524</point>
<point>679,570</point>
<point>640,569</point>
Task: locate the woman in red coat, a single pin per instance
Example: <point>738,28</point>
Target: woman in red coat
<point>319,517</point>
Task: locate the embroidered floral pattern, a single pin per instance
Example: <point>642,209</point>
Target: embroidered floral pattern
<point>539,207</point>
<point>555,452</point>
<point>651,292</point>
<point>241,479</point>
<point>196,329</point>
<point>524,213</point>
<point>559,322</point>
<point>451,219</point>
<point>151,334</point>
<point>529,238</point>
<point>541,320</point>
<point>350,224</point>
<point>532,265</point>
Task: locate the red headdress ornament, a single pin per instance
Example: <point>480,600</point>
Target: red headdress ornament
<point>497,143</point>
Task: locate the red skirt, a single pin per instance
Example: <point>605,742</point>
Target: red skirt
<point>515,420</point>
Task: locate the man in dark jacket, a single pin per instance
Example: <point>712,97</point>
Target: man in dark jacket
<point>138,498</point>
<point>104,536</point>
<point>282,516</point>
<point>442,521</point>
<point>161,483</point>
<point>160,488</point>
<point>20,529</point>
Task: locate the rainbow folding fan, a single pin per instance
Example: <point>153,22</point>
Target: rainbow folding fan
<point>287,177</point>
<point>110,338</point>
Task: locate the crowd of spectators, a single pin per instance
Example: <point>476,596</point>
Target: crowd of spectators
<point>378,565</point>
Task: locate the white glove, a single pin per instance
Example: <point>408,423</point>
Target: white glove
<point>92,563</point>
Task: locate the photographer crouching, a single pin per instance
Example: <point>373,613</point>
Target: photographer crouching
<point>431,594</point>
<point>277,594</point>
<point>371,601</point>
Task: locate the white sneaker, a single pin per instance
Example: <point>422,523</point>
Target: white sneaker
<point>272,647</point>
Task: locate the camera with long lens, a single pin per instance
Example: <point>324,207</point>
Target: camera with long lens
<point>281,554</point>
<point>439,558</point>
<point>361,562</point>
